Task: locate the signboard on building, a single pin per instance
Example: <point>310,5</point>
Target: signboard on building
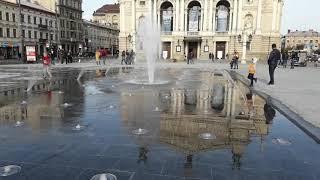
<point>31,53</point>
<point>194,19</point>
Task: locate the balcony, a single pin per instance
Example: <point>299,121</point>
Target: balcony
<point>166,33</point>
<point>196,33</point>
<point>43,27</point>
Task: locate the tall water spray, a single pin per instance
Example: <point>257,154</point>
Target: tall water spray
<point>149,41</point>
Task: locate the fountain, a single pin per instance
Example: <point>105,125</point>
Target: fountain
<point>140,131</point>
<point>106,176</point>
<point>207,136</point>
<point>19,123</point>
<point>9,170</point>
<point>149,36</point>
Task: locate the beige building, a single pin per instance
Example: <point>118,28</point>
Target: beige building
<point>108,14</point>
<point>304,39</point>
<point>38,26</point>
<point>70,22</point>
<point>10,40</point>
<point>97,36</point>
<point>204,26</point>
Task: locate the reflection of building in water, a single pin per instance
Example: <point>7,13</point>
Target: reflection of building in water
<point>181,122</point>
<point>43,110</point>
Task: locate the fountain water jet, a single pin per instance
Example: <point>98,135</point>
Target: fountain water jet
<point>149,38</point>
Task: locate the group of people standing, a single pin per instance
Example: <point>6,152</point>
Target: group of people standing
<point>127,57</point>
<point>65,56</point>
<point>234,64</point>
<point>101,55</point>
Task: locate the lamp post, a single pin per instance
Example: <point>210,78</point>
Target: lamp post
<point>244,38</point>
<point>21,31</point>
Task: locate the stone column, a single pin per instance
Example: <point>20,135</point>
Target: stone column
<point>274,15</point>
<point>214,20</point>
<point>202,20</point>
<point>235,16</point>
<point>182,21</point>
<point>279,15</point>
<point>239,28</point>
<point>230,21</point>
<point>185,21</point>
<point>210,15</point>
<point>158,18</point>
<point>205,15</point>
<point>133,17</point>
<point>259,14</point>
<point>154,11</point>
<point>177,18</point>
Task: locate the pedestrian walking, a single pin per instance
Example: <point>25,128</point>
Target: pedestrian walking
<point>46,61</point>
<point>65,56</point>
<point>284,59</point>
<point>274,57</point>
<point>252,72</point>
<point>69,57</point>
<point>236,60</point>
<point>190,57</point>
<point>123,57</point>
<point>98,56</point>
<point>210,56</point>
<point>132,56</point>
<point>127,57</point>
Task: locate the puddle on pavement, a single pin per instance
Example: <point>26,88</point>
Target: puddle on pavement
<point>197,125</point>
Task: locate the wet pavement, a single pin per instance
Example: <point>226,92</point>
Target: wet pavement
<point>73,130</point>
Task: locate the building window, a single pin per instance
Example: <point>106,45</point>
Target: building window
<point>23,33</point>
<point>248,46</point>
<point>29,34</point>
<point>22,18</point>
<point>29,19</point>
<point>8,32</point>
<point>34,20</point>
<point>51,37</point>
<point>0,15</point>
<point>7,17</point>
<point>40,21</point>
<point>63,34</point>
<point>50,23</point>
<point>14,33</point>
<point>13,17</point>
<point>47,36</point>
<point>35,34</point>
<point>46,22</point>
<point>142,3</point>
<point>1,32</point>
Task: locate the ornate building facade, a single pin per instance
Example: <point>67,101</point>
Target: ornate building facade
<point>205,26</point>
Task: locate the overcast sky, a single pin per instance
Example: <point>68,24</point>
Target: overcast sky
<point>297,14</point>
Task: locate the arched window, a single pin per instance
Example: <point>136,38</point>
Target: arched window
<point>223,16</point>
<point>194,16</point>
<point>115,20</point>
<point>166,15</point>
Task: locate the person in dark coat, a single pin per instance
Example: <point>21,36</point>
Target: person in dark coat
<point>274,57</point>
<point>285,59</point>
<point>123,57</point>
<point>210,56</point>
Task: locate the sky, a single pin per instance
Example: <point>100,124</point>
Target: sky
<point>297,14</point>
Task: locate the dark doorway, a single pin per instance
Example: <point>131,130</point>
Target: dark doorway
<point>221,50</point>
<point>193,46</point>
<point>166,46</point>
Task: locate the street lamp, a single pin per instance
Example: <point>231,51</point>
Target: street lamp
<point>244,38</point>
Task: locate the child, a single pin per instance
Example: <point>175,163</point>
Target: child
<point>252,71</point>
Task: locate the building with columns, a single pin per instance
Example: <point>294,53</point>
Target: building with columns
<point>203,26</point>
